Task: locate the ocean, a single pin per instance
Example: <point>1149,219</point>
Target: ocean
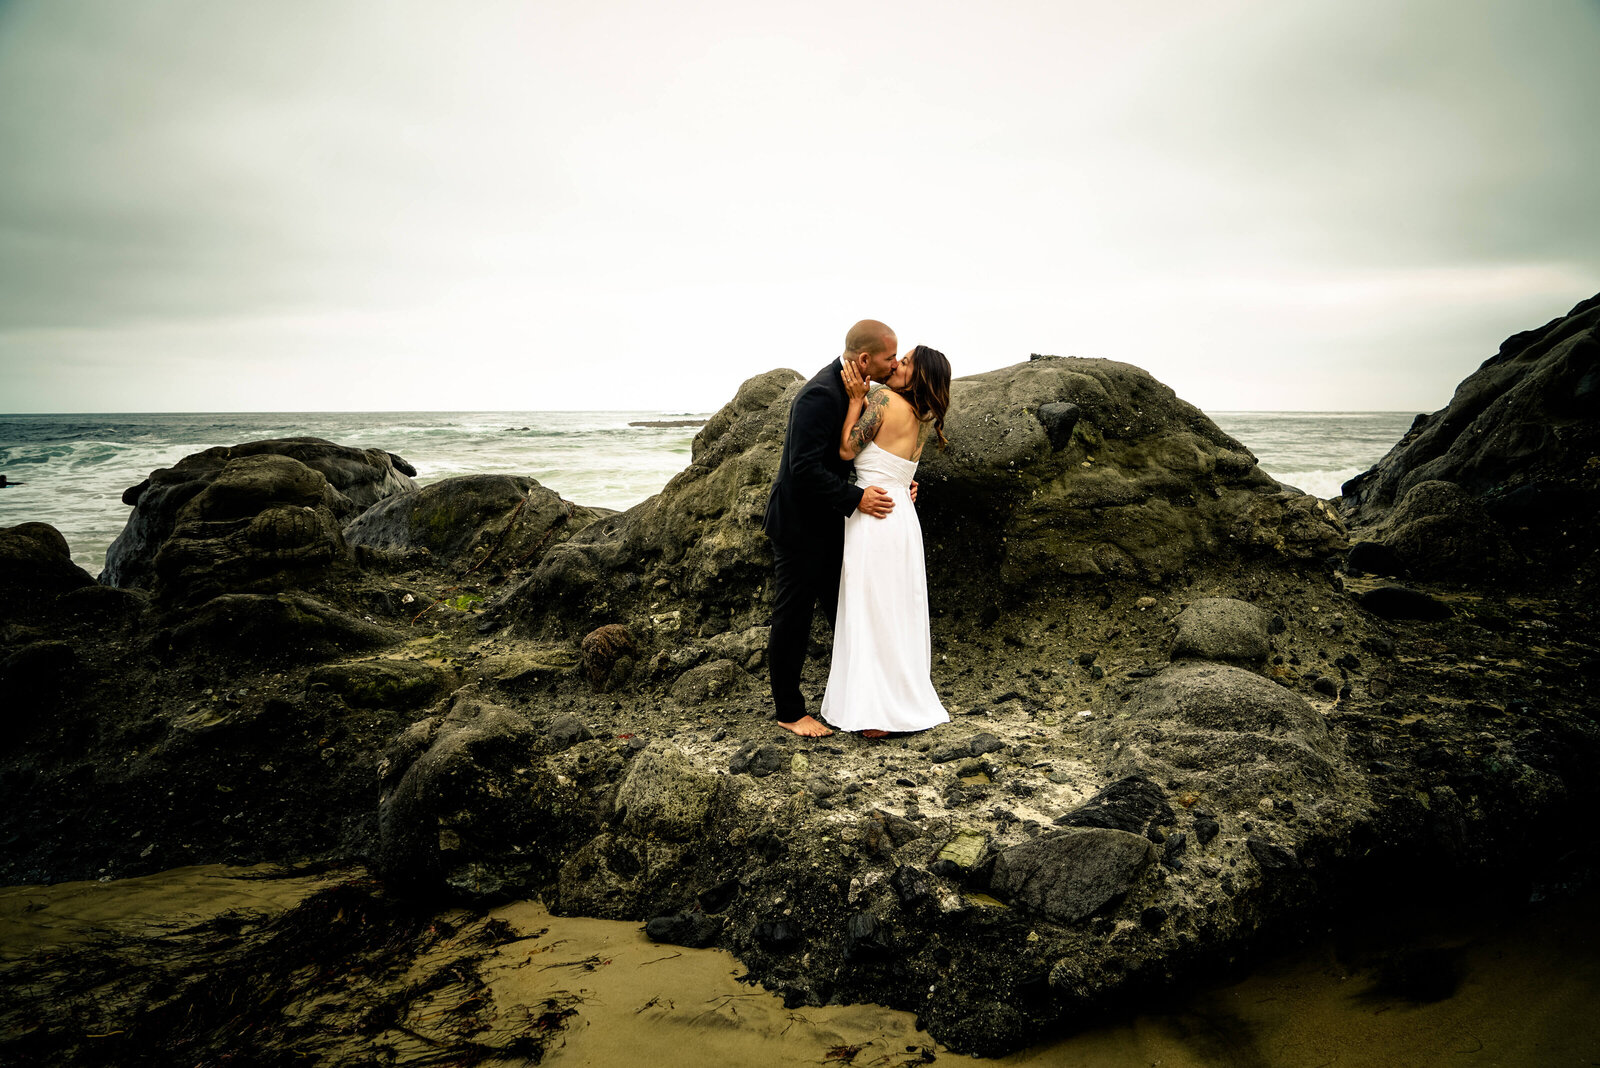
<point>73,468</point>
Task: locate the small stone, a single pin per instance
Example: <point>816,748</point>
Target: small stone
<point>984,743</point>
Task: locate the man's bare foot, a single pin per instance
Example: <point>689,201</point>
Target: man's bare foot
<point>806,727</point>
<point>874,733</point>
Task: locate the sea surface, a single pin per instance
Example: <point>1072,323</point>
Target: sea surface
<point>74,468</point>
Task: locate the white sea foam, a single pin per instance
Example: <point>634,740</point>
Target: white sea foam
<point>1324,484</point>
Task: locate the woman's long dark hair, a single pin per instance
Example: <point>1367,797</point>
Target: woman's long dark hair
<point>928,392</point>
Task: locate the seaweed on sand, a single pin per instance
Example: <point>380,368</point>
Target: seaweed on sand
<point>349,975</point>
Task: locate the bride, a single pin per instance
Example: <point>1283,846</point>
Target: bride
<point>879,679</point>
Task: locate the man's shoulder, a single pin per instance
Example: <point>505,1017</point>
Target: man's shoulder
<point>825,382</point>
<point>827,376</point>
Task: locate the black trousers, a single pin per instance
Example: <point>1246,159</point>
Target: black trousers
<point>806,575</point>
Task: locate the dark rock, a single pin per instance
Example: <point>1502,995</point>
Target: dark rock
<point>35,561</point>
<point>865,938</point>
<point>980,1028</point>
<point>1153,918</point>
<point>1516,440</point>
<point>693,929</point>
<point>1058,419</point>
<point>1399,602</point>
<point>910,885</point>
<point>1374,558</point>
<point>567,731</point>
<point>1133,804</point>
<point>286,626</point>
<point>252,517</point>
<point>1172,854</point>
<point>489,523</point>
<point>1326,686</point>
<point>37,671</point>
<point>105,604</point>
<point>1272,858</point>
<point>1205,829</point>
<point>1439,531</point>
<point>945,869</point>
<point>1221,628</point>
<point>1070,875</point>
<point>777,936</point>
<point>984,743</point>
<point>719,897</point>
<point>946,753</point>
<point>758,760</point>
<point>891,830</point>
<point>461,807</point>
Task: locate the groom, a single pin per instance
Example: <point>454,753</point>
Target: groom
<point>806,511</point>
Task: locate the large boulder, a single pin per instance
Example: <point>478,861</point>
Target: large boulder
<point>254,514</point>
<point>1521,439</point>
<point>1060,471</point>
<point>1226,731</point>
<point>35,560</point>
<point>470,522</point>
<point>467,804</point>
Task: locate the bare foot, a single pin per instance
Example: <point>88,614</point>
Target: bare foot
<point>874,733</point>
<point>806,727</point>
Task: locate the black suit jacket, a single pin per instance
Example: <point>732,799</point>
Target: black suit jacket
<point>812,494</point>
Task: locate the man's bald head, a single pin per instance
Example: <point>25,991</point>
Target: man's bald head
<point>869,336</point>
<point>871,346</point>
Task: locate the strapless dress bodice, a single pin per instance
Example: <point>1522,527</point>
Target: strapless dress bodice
<point>879,467</point>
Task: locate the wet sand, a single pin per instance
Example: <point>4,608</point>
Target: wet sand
<point>1448,992</point>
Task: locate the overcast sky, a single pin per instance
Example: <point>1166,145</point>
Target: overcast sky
<point>332,205</point>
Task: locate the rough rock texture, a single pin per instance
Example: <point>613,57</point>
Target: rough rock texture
<point>664,794</point>
<point>35,559</point>
<point>272,627</point>
<point>470,522</point>
<point>1221,628</point>
<point>1254,737</point>
<point>456,790</point>
<point>252,516</point>
<point>1133,483</point>
<point>1521,437</point>
<point>1367,759</point>
<point>1070,875</point>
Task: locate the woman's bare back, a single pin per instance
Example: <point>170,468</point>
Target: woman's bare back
<point>901,432</point>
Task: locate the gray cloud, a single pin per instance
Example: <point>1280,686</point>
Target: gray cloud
<point>1282,197</point>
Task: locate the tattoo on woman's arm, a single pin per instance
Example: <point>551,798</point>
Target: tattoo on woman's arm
<point>871,420</point>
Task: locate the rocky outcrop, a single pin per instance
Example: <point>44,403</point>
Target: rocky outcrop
<point>464,803</point>
<point>251,517</point>
<point>35,559</point>
<point>1508,471</point>
<point>470,523</point>
<point>1060,472</point>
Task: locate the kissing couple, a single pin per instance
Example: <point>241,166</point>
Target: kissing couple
<point>843,525</point>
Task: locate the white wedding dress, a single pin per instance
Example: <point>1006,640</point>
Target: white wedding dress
<point>879,678</point>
